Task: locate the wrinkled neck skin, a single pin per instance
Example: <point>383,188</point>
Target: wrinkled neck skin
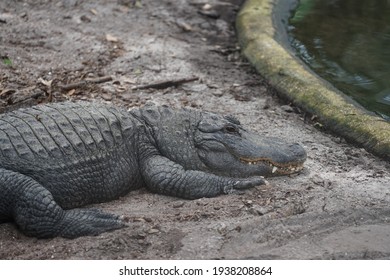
<point>172,134</point>
<point>218,144</point>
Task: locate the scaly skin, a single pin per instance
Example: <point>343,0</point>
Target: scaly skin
<point>57,157</point>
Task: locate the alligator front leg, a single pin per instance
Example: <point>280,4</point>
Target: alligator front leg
<point>34,210</point>
<point>164,176</point>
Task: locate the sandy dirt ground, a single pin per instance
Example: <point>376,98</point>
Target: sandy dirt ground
<point>337,208</point>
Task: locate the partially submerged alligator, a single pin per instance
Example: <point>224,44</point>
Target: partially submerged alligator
<point>57,157</point>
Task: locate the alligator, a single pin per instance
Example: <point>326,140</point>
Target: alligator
<point>56,158</point>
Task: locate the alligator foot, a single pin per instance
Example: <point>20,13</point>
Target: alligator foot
<point>240,184</point>
<point>80,222</point>
<point>249,183</point>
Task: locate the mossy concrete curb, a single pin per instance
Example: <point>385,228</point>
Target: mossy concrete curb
<point>256,34</point>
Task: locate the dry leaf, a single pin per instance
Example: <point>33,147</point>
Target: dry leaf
<point>183,25</point>
<point>93,11</point>
<point>6,92</point>
<point>71,92</point>
<point>44,82</point>
<point>138,4</point>
<point>120,89</point>
<point>128,80</point>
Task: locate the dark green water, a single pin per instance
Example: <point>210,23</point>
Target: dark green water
<point>347,42</point>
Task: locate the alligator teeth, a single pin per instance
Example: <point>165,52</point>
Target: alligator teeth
<point>249,162</point>
<point>275,169</point>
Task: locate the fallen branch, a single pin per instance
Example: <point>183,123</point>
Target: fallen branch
<point>85,82</point>
<point>167,84</point>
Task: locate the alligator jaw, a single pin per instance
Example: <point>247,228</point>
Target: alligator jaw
<point>277,168</point>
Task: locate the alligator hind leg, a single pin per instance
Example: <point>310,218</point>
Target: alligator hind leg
<point>35,212</point>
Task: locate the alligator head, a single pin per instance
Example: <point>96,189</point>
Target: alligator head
<point>220,144</point>
<point>227,148</point>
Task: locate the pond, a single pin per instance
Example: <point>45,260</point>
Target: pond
<point>347,42</point>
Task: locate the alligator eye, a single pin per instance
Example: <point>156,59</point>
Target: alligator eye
<point>231,129</point>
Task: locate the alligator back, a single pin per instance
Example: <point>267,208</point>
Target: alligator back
<point>61,130</point>
<point>72,147</point>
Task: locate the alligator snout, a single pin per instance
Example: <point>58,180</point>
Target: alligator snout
<point>299,153</point>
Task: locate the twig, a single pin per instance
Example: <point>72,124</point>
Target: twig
<point>6,92</point>
<point>73,86</point>
<point>167,84</point>
<point>85,82</point>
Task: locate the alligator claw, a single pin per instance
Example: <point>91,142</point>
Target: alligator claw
<point>241,184</point>
<point>80,222</point>
<point>249,183</point>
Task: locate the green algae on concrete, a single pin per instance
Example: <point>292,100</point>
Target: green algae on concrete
<point>257,36</point>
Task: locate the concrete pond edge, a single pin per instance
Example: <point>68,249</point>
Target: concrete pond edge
<point>257,36</point>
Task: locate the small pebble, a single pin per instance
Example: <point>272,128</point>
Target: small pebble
<point>287,108</point>
<point>178,204</point>
<point>153,231</point>
<point>107,97</point>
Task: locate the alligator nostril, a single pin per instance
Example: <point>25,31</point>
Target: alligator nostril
<point>298,150</point>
